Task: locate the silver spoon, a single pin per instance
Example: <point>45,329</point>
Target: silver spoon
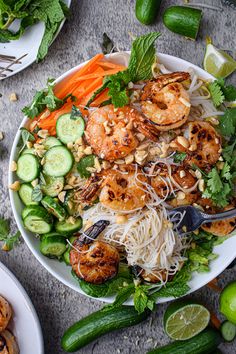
<point>188,218</point>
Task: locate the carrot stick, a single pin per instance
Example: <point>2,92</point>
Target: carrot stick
<point>64,87</point>
<point>100,99</point>
<point>90,89</point>
<point>215,321</point>
<point>108,64</point>
<point>95,75</point>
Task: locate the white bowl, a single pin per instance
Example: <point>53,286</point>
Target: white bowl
<point>25,323</point>
<point>226,251</point>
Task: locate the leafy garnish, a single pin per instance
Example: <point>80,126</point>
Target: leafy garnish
<point>179,157</point>
<point>219,185</point>
<point>228,122</point>
<point>108,45</point>
<point>37,194</point>
<point>9,240</point>
<point>75,113</point>
<point>45,99</point>
<point>29,12</point>
<point>221,92</point>
<point>25,137</point>
<point>142,57</point>
<point>140,68</point>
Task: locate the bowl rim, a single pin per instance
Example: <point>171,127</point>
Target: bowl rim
<point>213,273</point>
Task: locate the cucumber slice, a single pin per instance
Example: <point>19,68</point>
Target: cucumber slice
<point>30,208</point>
<point>66,228</point>
<point>58,161</point>
<point>53,246</point>
<point>183,20</point>
<point>27,167</point>
<point>69,130</point>
<point>66,255</point>
<point>25,194</point>
<point>69,204</point>
<point>87,161</point>
<point>54,207</point>
<point>228,331</point>
<point>39,221</point>
<point>147,10</point>
<point>28,151</point>
<point>53,186</point>
<point>51,141</point>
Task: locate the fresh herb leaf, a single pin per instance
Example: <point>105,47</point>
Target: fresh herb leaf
<point>143,55</point>
<point>45,99</point>
<point>124,294</point>
<point>179,157</point>
<point>25,137</point>
<point>108,45</point>
<point>216,93</point>
<point>228,122</point>
<point>75,113</point>
<point>37,194</point>
<point>83,164</point>
<point>141,298</point>
<point>9,240</point>
<point>229,91</point>
<point>117,88</point>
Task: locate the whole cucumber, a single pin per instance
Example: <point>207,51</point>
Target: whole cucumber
<point>99,323</point>
<point>204,343</point>
<point>147,10</point>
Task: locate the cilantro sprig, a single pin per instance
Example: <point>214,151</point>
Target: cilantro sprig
<point>221,92</point>
<point>9,240</point>
<point>140,68</point>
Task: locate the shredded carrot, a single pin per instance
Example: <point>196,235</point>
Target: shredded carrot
<point>213,284</point>
<point>109,65</point>
<point>215,321</point>
<point>100,99</point>
<point>90,89</point>
<point>95,75</point>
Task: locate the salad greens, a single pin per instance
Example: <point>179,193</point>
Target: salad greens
<point>140,68</point>
<point>29,12</point>
<point>221,92</point>
<point>9,240</point>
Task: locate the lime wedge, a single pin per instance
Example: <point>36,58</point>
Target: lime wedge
<point>184,320</point>
<point>217,62</point>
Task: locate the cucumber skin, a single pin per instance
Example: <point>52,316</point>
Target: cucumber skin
<point>146,10</point>
<point>99,323</point>
<point>183,20</point>
<point>54,208</point>
<point>64,231</point>
<point>203,343</point>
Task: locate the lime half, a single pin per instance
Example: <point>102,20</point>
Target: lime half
<point>184,320</point>
<point>228,302</point>
<point>217,62</point>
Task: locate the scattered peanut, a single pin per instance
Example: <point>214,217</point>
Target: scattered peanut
<point>61,196</point>
<point>183,141</point>
<point>180,195</point>
<point>13,166</point>
<point>13,97</point>
<point>121,219</point>
<point>15,186</point>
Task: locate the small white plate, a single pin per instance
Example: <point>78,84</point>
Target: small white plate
<point>25,323</point>
<point>28,44</point>
<point>226,251</point>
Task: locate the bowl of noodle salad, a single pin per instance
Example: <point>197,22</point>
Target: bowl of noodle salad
<point>108,149</point>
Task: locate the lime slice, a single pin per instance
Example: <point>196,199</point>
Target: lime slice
<point>228,302</point>
<point>217,62</point>
<point>184,320</point>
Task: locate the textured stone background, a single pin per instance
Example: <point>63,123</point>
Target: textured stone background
<point>58,306</point>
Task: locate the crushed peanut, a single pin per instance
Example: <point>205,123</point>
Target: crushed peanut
<point>71,220</point>
<point>13,97</point>
<point>201,185</point>
<point>198,174</point>
<point>43,133</point>
<point>29,144</point>
<point>121,219</point>
<point>88,150</point>
<point>183,141</point>
<point>13,166</point>
<point>180,195</point>
<point>35,182</point>
<point>182,174</point>
<point>140,136</point>
<point>97,164</point>
<point>15,186</point>
<point>129,159</point>
<point>61,196</point>
<point>1,136</point>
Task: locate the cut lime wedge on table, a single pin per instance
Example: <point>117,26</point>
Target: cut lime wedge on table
<point>217,62</point>
<point>184,320</point>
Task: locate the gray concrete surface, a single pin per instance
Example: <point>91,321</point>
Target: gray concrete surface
<point>58,306</point>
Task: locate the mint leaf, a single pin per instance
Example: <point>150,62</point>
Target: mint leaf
<point>140,298</point>
<point>117,85</point>
<point>75,113</point>
<point>228,122</point>
<point>124,294</point>
<point>9,240</point>
<point>142,57</point>
<point>25,137</point>
<point>4,228</point>
<point>37,194</point>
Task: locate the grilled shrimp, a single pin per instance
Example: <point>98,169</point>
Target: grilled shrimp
<point>94,261</point>
<point>8,343</point>
<point>217,228</point>
<point>112,133</point>
<point>203,147</point>
<point>120,190</point>
<point>182,177</point>
<point>165,101</point>
<point>5,313</point>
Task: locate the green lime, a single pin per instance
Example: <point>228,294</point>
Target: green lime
<point>217,62</point>
<point>228,302</point>
<point>185,319</point>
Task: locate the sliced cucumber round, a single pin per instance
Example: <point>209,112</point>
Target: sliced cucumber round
<point>27,167</point>
<point>53,207</point>
<point>38,221</point>
<point>25,194</point>
<point>58,161</point>
<point>53,246</point>
<point>53,186</point>
<point>66,228</point>
<point>69,204</point>
<point>69,130</point>
<point>30,208</point>
<point>28,151</point>
<point>51,141</point>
